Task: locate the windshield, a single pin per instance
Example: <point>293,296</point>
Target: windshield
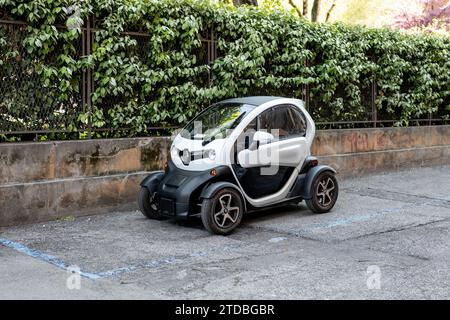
<point>217,122</point>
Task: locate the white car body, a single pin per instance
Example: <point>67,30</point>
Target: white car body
<point>290,152</point>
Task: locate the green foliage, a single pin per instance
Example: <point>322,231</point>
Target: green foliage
<point>163,78</point>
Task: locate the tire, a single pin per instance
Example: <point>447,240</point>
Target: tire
<point>322,202</point>
<point>229,202</point>
<point>147,207</point>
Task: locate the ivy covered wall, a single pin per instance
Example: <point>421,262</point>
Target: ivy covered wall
<point>163,78</point>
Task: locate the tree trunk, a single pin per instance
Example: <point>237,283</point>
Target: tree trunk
<point>242,2</point>
<point>305,8</point>
<point>315,10</point>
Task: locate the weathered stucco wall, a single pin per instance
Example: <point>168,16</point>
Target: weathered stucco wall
<point>49,180</point>
<point>361,151</point>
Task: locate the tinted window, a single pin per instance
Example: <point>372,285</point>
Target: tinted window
<point>289,121</point>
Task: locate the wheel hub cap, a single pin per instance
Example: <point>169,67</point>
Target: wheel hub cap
<point>325,192</point>
<point>226,214</point>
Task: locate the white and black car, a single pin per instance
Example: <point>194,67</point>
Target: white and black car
<point>236,156</point>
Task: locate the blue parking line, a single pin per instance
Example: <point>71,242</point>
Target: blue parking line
<point>44,257</point>
<point>345,221</point>
<point>65,266</point>
<point>90,275</point>
<point>109,273</point>
<point>151,264</point>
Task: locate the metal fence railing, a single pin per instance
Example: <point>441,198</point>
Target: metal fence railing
<point>26,105</point>
<point>29,108</point>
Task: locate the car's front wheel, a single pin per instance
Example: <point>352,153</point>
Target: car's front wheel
<point>222,213</point>
<point>324,191</point>
<point>148,204</point>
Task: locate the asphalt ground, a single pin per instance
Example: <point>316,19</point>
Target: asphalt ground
<point>387,238</point>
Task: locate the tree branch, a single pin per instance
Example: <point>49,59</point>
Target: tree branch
<point>291,2</point>
<point>330,11</point>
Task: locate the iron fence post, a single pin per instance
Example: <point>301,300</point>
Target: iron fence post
<point>373,101</point>
<point>306,89</point>
<point>89,78</point>
<point>306,96</point>
<point>212,54</point>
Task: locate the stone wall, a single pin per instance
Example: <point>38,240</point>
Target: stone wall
<point>50,180</point>
<point>361,151</point>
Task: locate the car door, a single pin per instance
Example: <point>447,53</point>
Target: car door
<point>268,167</point>
<point>288,148</point>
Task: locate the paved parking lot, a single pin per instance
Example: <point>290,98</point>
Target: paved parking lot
<point>388,237</point>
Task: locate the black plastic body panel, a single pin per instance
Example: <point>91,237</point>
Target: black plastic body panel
<point>299,185</point>
<point>152,179</point>
<point>184,187</point>
<point>211,189</point>
<point>308,164</point>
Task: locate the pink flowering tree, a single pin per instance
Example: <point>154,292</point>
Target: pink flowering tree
<point>425,15</point>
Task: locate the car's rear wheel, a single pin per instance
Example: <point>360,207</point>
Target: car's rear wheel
<point>325,192</point>
<point>148,204</point>
<point>222,213</point>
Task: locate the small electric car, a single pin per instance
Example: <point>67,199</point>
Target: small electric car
<point>236,156</point>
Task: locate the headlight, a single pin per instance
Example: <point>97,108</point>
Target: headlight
<point>211,154</point>
<point>174,152</point>
<point>185,156</point>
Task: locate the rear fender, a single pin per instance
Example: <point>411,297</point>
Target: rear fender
<point>308,180</point>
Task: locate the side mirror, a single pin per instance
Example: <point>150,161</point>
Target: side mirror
<point>260,138</point>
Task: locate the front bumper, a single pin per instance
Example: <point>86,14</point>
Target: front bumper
<point>179,190</point>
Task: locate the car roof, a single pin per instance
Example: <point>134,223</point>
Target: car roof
<point>253,100</point>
